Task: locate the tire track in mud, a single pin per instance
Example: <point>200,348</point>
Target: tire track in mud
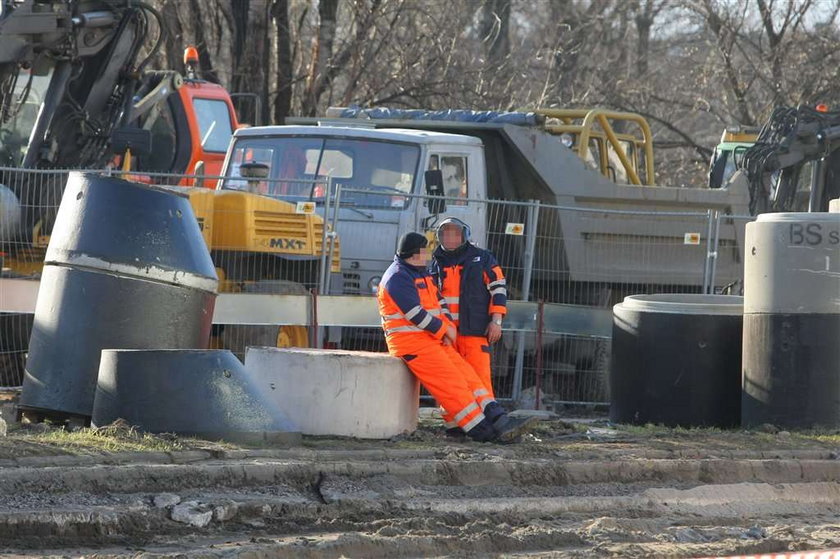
<point>421,504</point>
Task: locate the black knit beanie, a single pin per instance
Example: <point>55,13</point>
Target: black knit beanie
<point>410,244</point>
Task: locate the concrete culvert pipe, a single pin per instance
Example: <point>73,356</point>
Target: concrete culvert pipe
<point>126,267</point>
<point>202,393</point>
<point>676,360</point>
<point>791,356</point>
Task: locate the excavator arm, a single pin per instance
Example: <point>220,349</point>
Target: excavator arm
<point>68,76</point>
<point>794,164</point>
<point>69,79</point>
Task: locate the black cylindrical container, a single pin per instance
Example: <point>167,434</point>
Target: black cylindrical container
<point>126,267</point>
<point>207,394</point>
<point>791,374</point>
<point>676,360</point>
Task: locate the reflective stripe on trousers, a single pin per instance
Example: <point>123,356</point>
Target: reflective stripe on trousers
<point>450,380</point>
<point>480,393</point>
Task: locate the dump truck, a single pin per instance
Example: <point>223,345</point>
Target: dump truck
<point>380,160</point>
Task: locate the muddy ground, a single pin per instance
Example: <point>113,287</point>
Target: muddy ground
<point>573,488</point>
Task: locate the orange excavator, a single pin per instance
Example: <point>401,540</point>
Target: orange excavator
<point>76,93</point>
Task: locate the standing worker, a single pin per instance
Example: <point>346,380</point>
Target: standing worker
<point>473,286</point>
<point>419,330</point>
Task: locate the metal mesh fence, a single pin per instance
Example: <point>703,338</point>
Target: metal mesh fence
<point>259,244</point>
<point>727,257</point>
<point>273,244</point>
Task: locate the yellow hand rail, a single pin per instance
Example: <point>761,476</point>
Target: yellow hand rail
<point>586,129</point>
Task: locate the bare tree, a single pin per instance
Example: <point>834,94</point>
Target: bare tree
<point>690,66</point>
<point>283,97</point>
<point>495,21</point>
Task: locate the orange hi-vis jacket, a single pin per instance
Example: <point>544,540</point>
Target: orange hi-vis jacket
<point>413,313</point>
<point>472,283</point>
<point>415,321</point>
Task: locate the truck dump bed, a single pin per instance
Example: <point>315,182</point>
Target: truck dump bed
<point>611,233</point>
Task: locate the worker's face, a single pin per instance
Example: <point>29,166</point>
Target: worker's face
<point>451,236</point>
<point>424,256</point>
<point>421,258</point>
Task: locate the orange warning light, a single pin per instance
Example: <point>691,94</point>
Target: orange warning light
<point>190,55</point>
<point>822,108</point>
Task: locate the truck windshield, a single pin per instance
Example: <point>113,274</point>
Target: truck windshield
<point>213,124</point>
<point>378,173</point>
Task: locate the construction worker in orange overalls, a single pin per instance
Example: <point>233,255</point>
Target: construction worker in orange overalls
<point>474,288</point>
<point>419,330</point>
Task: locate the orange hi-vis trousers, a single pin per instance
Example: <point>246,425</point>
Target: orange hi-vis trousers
<point>450,380</point>
<point>479,390</point>
<point>476,351</point>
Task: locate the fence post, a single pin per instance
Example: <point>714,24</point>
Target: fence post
<point>322,280</point>
<point>714,253</point>
<point>332,236</point>
<point>539,357</point>
<point>528,266</point>
<point>707,264</point>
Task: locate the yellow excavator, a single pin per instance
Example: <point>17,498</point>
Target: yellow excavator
<point>262,245</point>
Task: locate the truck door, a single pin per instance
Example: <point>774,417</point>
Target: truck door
<point>463,183</point>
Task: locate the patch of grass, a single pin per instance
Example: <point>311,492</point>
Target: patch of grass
<point>117,437</point>
<point>651,430</point>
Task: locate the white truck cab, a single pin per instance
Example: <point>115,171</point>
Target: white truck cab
<point>379,172</point>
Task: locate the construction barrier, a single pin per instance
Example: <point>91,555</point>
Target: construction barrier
<point>578,261</point>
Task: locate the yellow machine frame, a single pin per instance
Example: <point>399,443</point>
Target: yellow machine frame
<point>598,125</point>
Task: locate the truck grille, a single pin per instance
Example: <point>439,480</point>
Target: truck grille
<point>277,224</point>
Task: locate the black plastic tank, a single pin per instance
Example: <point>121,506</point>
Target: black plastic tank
<point>207,394</point>
<point>792,321</point>
<point>676,360</point>
<point>126,267</point>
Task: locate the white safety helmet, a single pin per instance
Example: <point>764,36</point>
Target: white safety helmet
<point>465,232</point>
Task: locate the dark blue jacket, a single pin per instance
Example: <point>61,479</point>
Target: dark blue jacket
<point>482,288</point>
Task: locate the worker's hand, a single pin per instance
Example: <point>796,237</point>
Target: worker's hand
<point>493,332</point>
<point>450,336</point>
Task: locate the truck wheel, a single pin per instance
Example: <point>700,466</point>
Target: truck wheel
<point>293,336</point>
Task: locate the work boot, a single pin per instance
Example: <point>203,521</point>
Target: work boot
<point>484,432</point>
<point>509,429</point>
<point>456,434</point>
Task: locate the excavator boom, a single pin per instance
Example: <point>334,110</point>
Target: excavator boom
<point>68,74</point>
<point>794,164</point>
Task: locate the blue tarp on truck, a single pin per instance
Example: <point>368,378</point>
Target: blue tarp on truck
<point>453,115</point>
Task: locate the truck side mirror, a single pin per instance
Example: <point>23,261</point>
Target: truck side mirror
<point>434,188</point>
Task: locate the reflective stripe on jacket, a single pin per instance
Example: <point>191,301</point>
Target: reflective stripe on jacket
<point>473,286</point>
<point>410,307</point>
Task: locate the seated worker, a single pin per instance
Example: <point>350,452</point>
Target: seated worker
<point>419,331</point>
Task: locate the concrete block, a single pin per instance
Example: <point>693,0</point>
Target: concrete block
<point>336,392</point>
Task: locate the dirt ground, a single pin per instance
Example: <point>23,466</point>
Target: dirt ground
<point>573,488</point>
